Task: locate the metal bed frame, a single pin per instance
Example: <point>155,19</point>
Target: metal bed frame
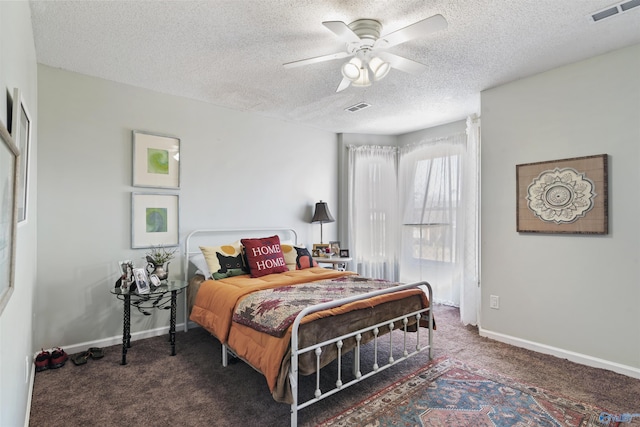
<point>377,330</point>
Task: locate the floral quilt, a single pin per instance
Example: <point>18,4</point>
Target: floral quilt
<point>272,311</point>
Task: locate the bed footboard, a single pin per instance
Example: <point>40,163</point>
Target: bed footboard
<point>377,330</point>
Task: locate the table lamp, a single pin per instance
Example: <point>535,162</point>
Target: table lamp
<point>322,215</point>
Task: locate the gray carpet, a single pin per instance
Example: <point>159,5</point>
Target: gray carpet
<point>193,389</point>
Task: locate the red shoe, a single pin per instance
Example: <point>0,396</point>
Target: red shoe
<point>58,358</point>
<point>42,361</point>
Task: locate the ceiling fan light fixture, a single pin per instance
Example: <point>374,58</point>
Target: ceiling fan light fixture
<point>363,80</point>
<point>352,69</point>
<point>379,68</point>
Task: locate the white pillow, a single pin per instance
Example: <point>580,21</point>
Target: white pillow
<point>201,265</point>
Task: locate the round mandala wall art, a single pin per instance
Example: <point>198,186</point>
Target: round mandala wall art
<point>563,196</point>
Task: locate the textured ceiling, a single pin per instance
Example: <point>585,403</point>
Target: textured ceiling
<point>230,53</point>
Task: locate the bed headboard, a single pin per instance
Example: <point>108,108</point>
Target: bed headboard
<point>217,237</point>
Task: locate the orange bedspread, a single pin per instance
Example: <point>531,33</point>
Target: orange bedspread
<point>216,301</point>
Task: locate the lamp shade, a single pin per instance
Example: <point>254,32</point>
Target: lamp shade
<point>379,67</point>
<point>322,213</point>
<point>351,69</point>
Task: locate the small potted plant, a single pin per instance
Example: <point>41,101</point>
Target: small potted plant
<point>157,257</point>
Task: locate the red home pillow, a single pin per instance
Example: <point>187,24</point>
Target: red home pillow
<point>264,256</point>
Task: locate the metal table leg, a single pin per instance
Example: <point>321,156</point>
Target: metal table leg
<point>126,328</point>
<point>172,323</point>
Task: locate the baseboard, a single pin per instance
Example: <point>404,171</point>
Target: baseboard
<point>582,359</point>
<point>106,342</point>
<point>32,377</point>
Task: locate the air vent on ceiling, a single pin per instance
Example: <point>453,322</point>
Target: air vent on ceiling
<point>614,10</point>
<point>357,107</point>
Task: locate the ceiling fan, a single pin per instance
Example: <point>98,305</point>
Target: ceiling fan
<point>371,61</point>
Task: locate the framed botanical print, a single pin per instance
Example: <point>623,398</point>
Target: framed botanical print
<point>9,155</point>
<point>154,220</point>
<point>21,134</point>
<point>156,161</point>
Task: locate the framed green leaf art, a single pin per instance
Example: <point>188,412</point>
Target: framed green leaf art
<point>154,220</point>
<point>9,158</point>
<point>156,160</point>
<point>21,134</point>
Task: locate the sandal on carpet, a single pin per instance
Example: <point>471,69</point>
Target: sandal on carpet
<point>80,358</point>
<point>96,352</point>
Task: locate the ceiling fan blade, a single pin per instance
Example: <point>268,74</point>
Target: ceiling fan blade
<point>403,64</point>
<point>413,31</point>
<point>342,30</point>
<point>317,59</point>
<point>343,84</point>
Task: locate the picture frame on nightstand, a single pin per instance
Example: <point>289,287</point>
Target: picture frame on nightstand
<point>320,249</point>
<point>344,253</point>
<point>335,247</point>
<point>126,269</point>
<point>142,281</point>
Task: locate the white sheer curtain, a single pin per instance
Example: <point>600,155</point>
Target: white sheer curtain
<point>372,210</point>
<point>470,290</point>
<point>437,188</point>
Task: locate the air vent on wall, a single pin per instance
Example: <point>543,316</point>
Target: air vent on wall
<point>614,10</point>
<point>357,107</point>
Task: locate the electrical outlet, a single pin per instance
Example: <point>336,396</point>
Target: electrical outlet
<point>494,302</point>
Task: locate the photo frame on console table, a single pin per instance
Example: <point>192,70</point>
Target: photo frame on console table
<point>9,157</point>
<point>154,220</point>
<point>156,161</point>
<point>563,196</point>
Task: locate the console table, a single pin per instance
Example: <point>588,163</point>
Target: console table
<point>162,297</point>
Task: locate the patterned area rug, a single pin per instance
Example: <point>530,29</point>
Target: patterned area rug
<point>449,393</point>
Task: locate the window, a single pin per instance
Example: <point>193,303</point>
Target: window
<point>435,201</point>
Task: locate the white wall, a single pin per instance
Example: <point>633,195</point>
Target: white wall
<point>18,69</point>
<point>237,170</point>
<point>577,296</point>
<point>435,132</point>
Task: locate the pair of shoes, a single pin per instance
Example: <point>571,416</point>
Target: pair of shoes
<point>53,360</point>
<point>82,357</point>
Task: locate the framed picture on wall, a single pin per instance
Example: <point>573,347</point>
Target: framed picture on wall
<point>154,220</point>
<point>9,154</point>
<point>156,160</point>
<point>563,196</point>
<point>21,134</point>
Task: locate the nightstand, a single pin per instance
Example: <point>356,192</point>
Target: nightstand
<point>161,297</point>
<point>337,263</point>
